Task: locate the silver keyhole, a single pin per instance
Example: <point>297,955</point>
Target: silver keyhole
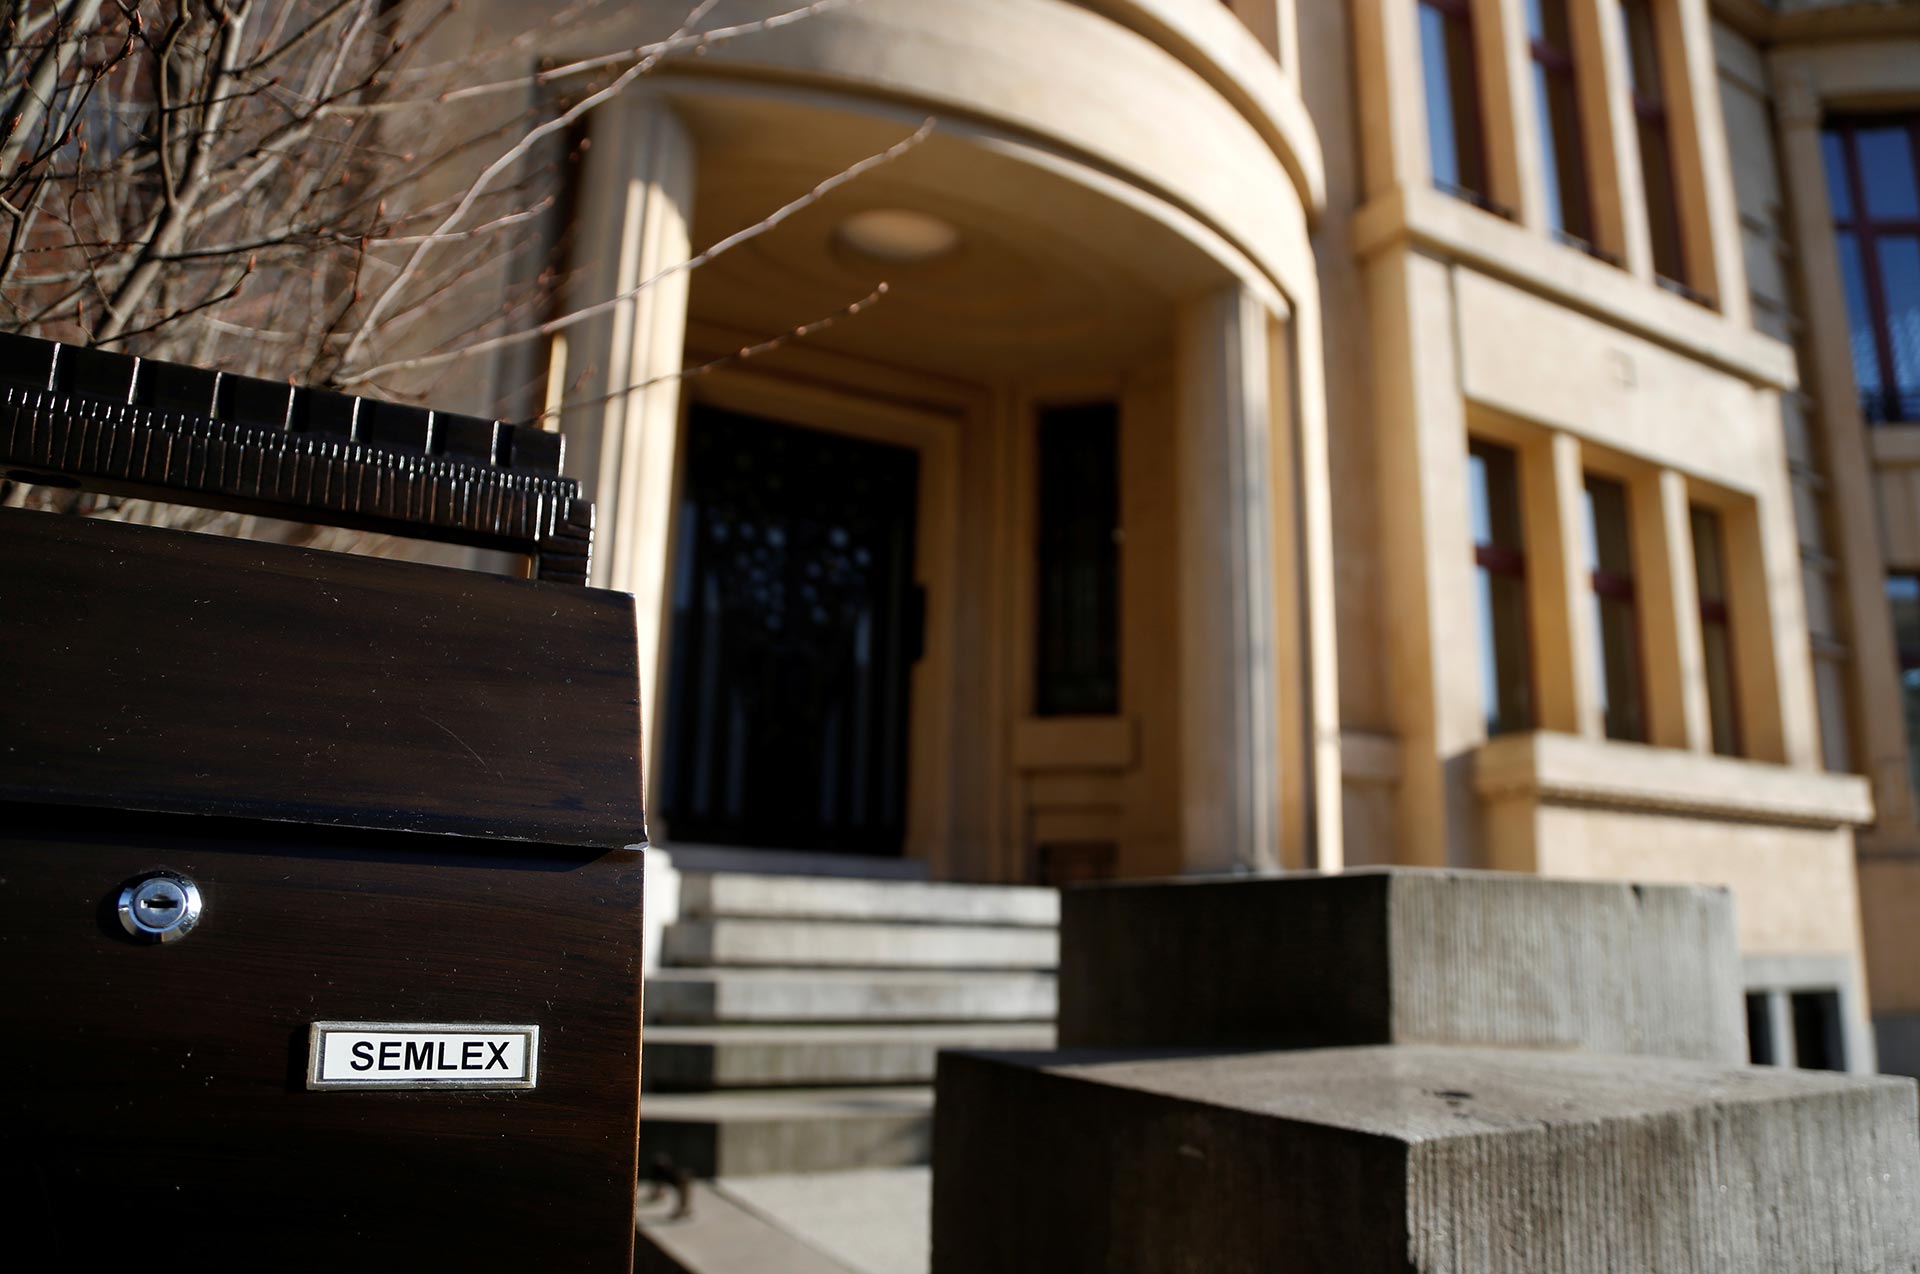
<point>160,906</point>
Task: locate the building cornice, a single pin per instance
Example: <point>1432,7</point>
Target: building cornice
<point>1564,769</point>
<point>1451,228</point>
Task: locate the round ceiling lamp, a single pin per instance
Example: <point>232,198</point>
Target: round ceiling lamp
<point>899,236</point>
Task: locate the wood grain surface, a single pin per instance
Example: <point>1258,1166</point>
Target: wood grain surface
<point>153,1108</point>
<point>159,670</point>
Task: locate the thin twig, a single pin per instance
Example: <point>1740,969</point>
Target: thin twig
<point>753,231</point>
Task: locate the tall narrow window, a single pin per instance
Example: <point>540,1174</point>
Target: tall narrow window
<point>1903,598</point>
<point>1557,102</point>
<point>1616,615</point>
<point>1819,1043</point>
<point>1454,141</point>
<point>1656,146</point>
<point>1716,630</point>
<point>1873,183</point>
<point>1077,669</point>
<point>1499,558</point>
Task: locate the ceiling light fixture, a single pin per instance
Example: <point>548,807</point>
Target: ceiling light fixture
<point>899,236</point>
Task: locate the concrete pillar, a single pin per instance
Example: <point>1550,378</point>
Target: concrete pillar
<point>1438,706</point>
<point>623,437</point>
<point>1229,746</point>
<point>1703,170</point>
<point>1674,655</point>
<point>1559,587</point>
<point>1608,130</point>
<point>1514,168</point>
<point>1393,115</point>
<point>1879,728</point>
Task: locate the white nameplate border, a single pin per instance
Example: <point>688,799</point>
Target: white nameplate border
<point>422,1055</point>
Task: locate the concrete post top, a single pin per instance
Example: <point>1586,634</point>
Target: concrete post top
<point>1415,1093</point>
<point>1403,955</point>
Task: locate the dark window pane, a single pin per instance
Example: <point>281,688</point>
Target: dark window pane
<point>1557,104</point>
<point>1760,1029</point>
<point>1839,189</point>
<point>1716,631</point>
<point>1886,171</point>
<point>1505,676</point>
<point>1643,52</point>
<point>1910,709</point>
<point>1817,1041</point>
<point>1616,618</point>
<point>1708,557</point>
<point>1717,638</point>
<point>1453,113</point>
<point>1860,330</point>
<point>1078,664</point>
<point>1663,201</point>
<point>1900,285</point>
<point>1493,482</point>
<point>1506,679</point>
<point>1609,544</point>
<point>1903,599</point>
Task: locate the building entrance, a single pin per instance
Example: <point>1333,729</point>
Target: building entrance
<point>796,624</point>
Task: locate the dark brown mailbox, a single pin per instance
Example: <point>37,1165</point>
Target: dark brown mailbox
<point>321,939</point>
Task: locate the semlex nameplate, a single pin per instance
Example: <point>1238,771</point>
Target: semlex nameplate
<point>422,1055</point>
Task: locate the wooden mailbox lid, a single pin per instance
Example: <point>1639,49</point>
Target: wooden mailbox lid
<point>158,670</point>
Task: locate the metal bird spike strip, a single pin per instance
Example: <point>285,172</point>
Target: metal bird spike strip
<point>89,418</point>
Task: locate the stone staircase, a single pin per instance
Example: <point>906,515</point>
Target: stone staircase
<point>794,1022</point>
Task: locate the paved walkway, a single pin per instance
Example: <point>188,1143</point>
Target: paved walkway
<point>872,1222</point>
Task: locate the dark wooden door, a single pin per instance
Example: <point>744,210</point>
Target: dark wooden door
<point>796,623</point>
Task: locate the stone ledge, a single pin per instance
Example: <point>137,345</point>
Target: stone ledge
<point>1565,769</point>
<point>1418,1158</point>
<point>1402,955</point>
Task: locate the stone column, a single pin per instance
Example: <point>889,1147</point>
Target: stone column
<point>1879,728</point>
<point>623,436</point>
<point>1674,657</point>
<point>1433,637</point>
<point>1229,780</point>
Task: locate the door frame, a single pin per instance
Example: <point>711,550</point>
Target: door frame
<point>932,704</point>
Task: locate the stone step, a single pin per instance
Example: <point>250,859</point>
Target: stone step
<point>703,996</point>
<point>701,1057</point>
<point>809,943</point>
<point>733,894</point>
<point>788,1130</point>
<point>720,1235</point>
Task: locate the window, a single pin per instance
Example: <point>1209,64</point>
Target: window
<point>1903,599</point>
<point>1796,1026</point>
<point>1616,617</point>
<point>1556,98</point>
<point>1454,141</point>
<point>1493,491</point>
<point>1077,670</point>
<point>1873,183</point>
<point>1656,146</point>
<point>1817,1042</point>
<point>1760,1045</point>
<point>1716,631</point>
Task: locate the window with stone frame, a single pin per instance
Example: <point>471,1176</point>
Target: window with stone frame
<point>1903,600</point>
<point>1456,140</point>
<point>1873,188</point>
<point>1557,104</point>
<point>1616,611</point>
<point>1658,178</point>
<point>1500,577</point>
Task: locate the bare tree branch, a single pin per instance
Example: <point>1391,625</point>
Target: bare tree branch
<point>694,262</point>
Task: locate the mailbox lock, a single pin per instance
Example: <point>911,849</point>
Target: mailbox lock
<point>160,906</point>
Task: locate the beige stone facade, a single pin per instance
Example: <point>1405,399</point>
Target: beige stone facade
<point>1227,224</point>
